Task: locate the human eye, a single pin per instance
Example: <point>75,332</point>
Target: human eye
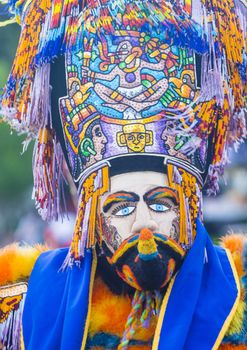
<point>123,210</point>
<point>159,208</point>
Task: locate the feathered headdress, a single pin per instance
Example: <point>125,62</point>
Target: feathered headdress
<point>161,78</point>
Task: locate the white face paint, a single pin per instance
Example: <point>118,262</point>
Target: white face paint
<point>140,200</point>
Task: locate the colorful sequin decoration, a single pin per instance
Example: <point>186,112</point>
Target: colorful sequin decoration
<point>12,298</point>
<point>151,77</point>
<point>86,225</point>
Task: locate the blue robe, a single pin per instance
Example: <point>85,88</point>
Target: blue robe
<point>195,314</point>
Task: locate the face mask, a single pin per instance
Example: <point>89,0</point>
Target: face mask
<point>146,260</point>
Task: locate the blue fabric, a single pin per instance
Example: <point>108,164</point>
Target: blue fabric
<point>202,297</point>
<point>56,305</point>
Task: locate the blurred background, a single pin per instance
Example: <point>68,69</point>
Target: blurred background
<point>19,220</point>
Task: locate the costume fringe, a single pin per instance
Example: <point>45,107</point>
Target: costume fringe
<point>48,161</point>
<point>109,16</point>
<point>58,27</point>
<point>10,330</point>
<point>48,157</point>
<point>19,88</point>
<point>86,231</point>
<point>225,24</point>
<point>61,32</point>
<point>190,204</point>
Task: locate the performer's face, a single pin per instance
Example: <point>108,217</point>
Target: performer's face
<point>140,220</point>
<point>140,200</point>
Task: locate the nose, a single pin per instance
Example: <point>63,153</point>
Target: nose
<point>143,219</point>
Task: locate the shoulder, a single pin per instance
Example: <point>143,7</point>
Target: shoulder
<point>235,337</point>
<point>237,246</point>
<point>16,264</point>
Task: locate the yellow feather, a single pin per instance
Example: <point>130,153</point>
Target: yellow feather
<point>235,243</point>
<point>16,262</point>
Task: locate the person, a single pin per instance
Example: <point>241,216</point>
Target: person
<point>141,271</point>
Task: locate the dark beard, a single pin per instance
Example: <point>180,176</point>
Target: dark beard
<point>109,275</point>
<point>127,269</point>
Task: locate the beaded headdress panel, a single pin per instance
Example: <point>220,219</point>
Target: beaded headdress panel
<point>157,78</point>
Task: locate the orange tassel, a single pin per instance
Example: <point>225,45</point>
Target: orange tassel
<point>187,191</point>
<point>90,195</point>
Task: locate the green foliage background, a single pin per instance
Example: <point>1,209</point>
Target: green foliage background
<point>15,167</point>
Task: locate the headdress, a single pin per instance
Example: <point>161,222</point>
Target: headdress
<point>160,78</point>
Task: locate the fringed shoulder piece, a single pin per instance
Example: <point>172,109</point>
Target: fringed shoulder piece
<point>16,264</point>
<point>235,337</point>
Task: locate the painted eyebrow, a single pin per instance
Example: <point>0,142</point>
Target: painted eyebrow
<point>119,197</point>
<point>160,193</point>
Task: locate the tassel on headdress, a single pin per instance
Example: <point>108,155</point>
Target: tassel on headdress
<point>86,228</point>
<point>225,24</point>
<point>25,104</point>
<point>188,191</point>
<point>211,122</point>
<point>47,170</point>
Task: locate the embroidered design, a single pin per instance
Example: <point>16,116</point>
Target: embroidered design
<point>154,77</point>
<point>122,84</point>
<point>12,299</point>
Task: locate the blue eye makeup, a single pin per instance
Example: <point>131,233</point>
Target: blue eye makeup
<point>124,210</point>
<point>159,208</point>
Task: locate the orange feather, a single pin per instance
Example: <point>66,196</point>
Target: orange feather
<point>235,243</point>
<point>232,347</point>
<point>109,314</point>
<point>16,262</point>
